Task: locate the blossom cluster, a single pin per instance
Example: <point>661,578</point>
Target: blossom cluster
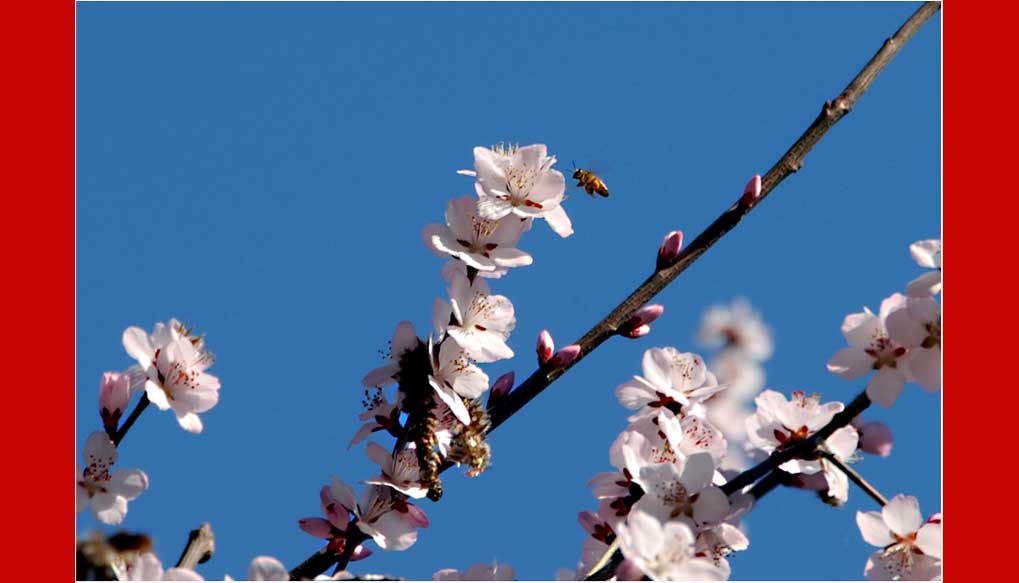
<point>171,372</point>
<point>665,506</point>
<point>436,413</point>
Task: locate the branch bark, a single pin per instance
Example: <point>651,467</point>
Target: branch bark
<point>126,425</point>
<point>790,162</point>
<point>201,545</point>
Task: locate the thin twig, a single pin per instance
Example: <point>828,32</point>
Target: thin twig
<point>773,480</point>
<point>855,477</point>
<point>126,425</point>
<point>201,545</point>
<point>790,162</point>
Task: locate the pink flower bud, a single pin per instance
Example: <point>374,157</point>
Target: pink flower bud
<point>546,346</point>
<point>360,552</point>
<point>316,527</point>
<point>752,192</point>
<point>638,331</point>
<point>501,387</point>
<point>935,518</point>
<point>114,394</point>
<point>641,318</point>
<point>875,438</point>
<point>565,356</point>
<point>669,251</point>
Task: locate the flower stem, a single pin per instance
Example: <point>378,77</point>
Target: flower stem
<point>126,425</point>
<point>855,477</point>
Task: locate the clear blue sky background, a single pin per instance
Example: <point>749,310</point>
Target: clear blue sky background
<point>263,171</point>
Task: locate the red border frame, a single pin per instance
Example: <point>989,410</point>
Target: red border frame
<point>37,42</point>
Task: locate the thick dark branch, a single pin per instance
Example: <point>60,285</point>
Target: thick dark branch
<point>789,163</point>
<point>201,545</point>
<point>126,425</point>
<point>855,477</point>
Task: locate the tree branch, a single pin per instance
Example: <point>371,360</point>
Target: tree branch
<point>855,477</point>
<point>790,162</point>
<point>201,545</point>
<point>126,425</point>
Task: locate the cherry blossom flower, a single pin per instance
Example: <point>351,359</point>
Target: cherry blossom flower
<point>620,490</point>
<point>670,438</point>
<point>479,572</point>
<point>392,523</point>
<point>665,551</point>
<point>455,376</point>
<point>400,473</point>
<point>105,493</point>
<point>672,381</point>
<point>870,348</point>
<point>780,423</point>
<point>337,499</point>
<point>926,254</point>
<point>737,327</point>
<point>683,488</point>
<point>718,542</point>
<point>174,364</point>
<point>405,341</point>
<point>916,324</point>
<point>380,415</point>
<point>481,321</point>
<point>521,181</point>
<point>148,567</point>
<point>911,548</point>
<point>484,244</point>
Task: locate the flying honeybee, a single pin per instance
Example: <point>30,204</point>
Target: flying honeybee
<point>589,182</point>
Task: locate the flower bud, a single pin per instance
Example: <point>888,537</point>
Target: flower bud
<point>501,387</point>
<point>546,346</point>
<point>637,325</point>
<point>752,192</point>
<point>628,570</point>
<point>565,356</point>
<point>638,331</point>
<point>114,394</point>
<point>669,251</point>
<point>316,527</point>
<point>875,438</point>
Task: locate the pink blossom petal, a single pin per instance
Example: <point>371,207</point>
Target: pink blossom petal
<point>873,529</point>
<point>316,527</point>
<point>902,515</point>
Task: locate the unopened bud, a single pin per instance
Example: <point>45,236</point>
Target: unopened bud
<point>638,331</point>
<point>114,394</point>
<point>752,192</point>
<point>501,387</point>
<point>875,438</point>
<point>669,251</point>
<point>637,325</point>
<point>629,571</point>
<point>565,356</point>
<point>546,347</point>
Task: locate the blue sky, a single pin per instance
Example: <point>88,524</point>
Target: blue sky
<point>263,171</point>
